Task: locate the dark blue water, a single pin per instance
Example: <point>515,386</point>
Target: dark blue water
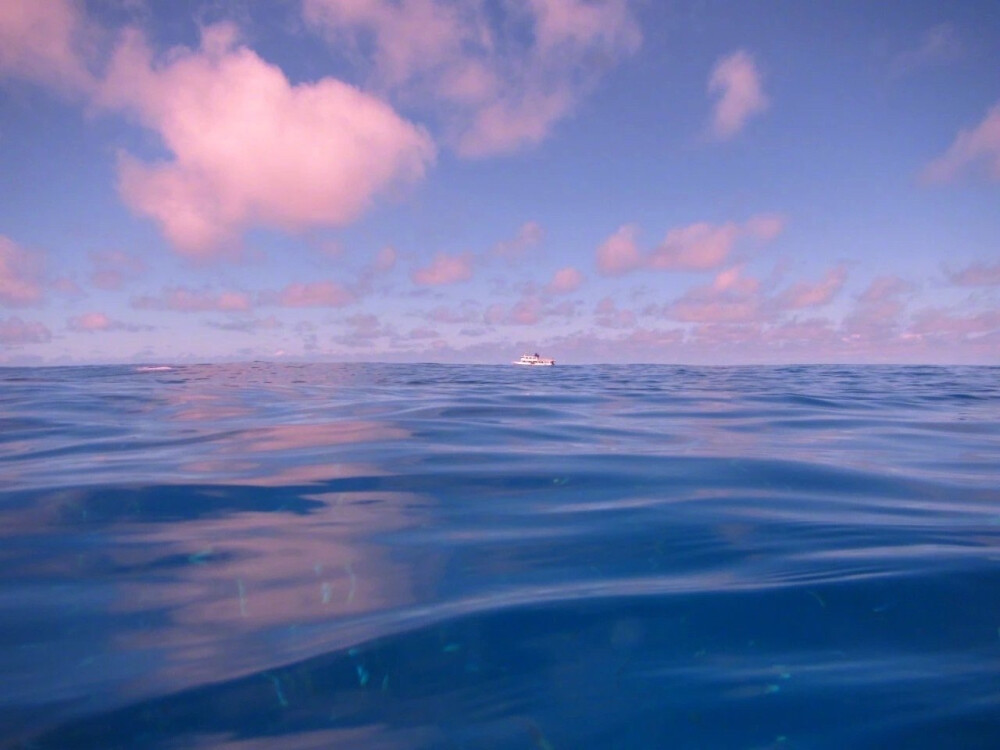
<point>422,556</point>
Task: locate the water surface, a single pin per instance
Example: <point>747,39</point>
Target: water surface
<point>427,556</point>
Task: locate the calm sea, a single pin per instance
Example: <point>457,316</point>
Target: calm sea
<point>426,556</point>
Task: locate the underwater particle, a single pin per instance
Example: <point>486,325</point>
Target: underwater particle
<point>363,675</point>
<point>785,675</point>
<point>198,558</point>
<point>385,683</point>
<point>243,597</point>
<point>278,691</point>
<point>537,736</point>
<point>326,592</point>
<point>451,648</point>
<point>354,581</point>
<point>560,480</point>
<point>818,598</point>
<point>771,689</point>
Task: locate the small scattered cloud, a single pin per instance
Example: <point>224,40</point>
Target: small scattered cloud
<point>20,275</point>
<point>737,84</point>
<point>310,294</point>
<point>385,260</point>
<point>973,150</point>
<point>181,299</point>
<point>47,42</point>
<point>499,76</point>
<point>976,274</point>
<point>15,332</point>
<point>939,45</point>
<point>696,247</point>
<point>877,315</point>
<point>813,294</point>
<point>528,311</point>
<point>113,268</point>
<point>254,325</point>
<point>93,322</point>
<point>607,314</point>
<point>936,323</point>
<point>528,235</point>
<point>564,281</point>
<point>732,297</point>
<point>619,253</point>
<point>444,269</point>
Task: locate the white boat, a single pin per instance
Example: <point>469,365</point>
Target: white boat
<point>533,360</point>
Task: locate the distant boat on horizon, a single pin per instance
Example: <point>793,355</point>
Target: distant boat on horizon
<point>533,360</point>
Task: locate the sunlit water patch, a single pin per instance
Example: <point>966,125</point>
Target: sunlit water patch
<point>424,556</point>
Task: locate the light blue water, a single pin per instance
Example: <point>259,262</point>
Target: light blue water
<point>423,556</point>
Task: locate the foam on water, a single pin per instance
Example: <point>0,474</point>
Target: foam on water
<point>424,556</point>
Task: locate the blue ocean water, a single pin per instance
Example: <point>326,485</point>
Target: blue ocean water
<point>425,556</point>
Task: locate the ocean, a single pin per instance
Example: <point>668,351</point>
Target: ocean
<point>389,556</point>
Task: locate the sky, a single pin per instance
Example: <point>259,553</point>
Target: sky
<point>675,181</point>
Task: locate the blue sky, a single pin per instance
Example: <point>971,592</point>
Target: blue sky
<point>420,180</point>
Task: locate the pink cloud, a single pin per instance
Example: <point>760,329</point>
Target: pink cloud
<point>46,41</point>
<point>608,315</point>
<point>696,247</point>
<point>977,274</point>
<point>939,44</point>
<point>527,311</point>
<point>737,82</point>
<point>971,150</point>
<point>619,253</point>
<point>20,275</point>
<point>92,321</point>
<point>730,298</point>
<point>564,281</point>
<point>386,259</point>
<point>494,88</point>
<point>467,312</point>
<point>113,268</point>
<point>935,322</point>
<point>314,294</point>
<point>17,332</point>
<point>813,294</point>
<point>877,315</point>
<point>180,299</point>
<point>444,269</point>
<point>529,234</point>
<point>249,148</point>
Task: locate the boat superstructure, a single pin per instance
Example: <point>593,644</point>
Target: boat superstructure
<point>534,360</point>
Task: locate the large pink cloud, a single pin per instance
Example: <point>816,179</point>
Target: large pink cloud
<point>20,275</point>
<point>16,332</point>
<point>973,149</point>
<point>46,41</point>
<point>249,148</point>
<point>701,246</point>
<point>494,87</point>
<point>444,269</point>
<point>737,83</point>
